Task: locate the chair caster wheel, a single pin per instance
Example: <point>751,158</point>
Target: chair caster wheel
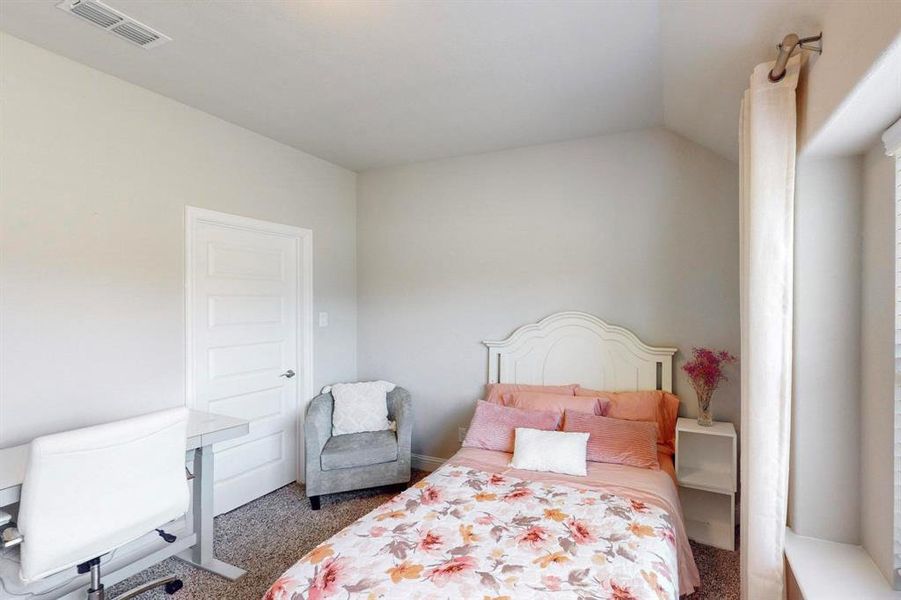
<point>173,586</point>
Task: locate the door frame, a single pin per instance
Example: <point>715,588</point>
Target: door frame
<point>304,335</point>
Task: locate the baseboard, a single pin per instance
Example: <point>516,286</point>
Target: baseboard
<point>426,463</point>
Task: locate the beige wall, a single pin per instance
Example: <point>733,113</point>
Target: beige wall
<point>94,177</point>
<point>855,36</point>
<point>877,375</point>
<point>640,229</point>
<point>825,451</point>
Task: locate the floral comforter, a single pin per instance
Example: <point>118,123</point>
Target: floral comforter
<point>467,533</point>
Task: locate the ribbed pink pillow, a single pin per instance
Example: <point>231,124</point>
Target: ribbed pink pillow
<point>493,426</point>
<point>493,391</point>
<point>556,402</point>
<point>650,405</point>
<point>616,441</point>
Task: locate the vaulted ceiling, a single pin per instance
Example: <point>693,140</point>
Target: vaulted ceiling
<point>366,84</point>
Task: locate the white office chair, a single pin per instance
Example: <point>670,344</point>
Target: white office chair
<point>89,491</point>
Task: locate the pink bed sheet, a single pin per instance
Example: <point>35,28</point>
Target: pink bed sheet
<point>653,487</point>
<point>667,466</point>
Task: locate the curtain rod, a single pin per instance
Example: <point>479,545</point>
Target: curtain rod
<point>787,47</point>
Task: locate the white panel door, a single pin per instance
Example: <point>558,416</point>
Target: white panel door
<point>244,303</point>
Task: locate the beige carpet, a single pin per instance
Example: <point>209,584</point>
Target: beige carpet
<point>268,535</point>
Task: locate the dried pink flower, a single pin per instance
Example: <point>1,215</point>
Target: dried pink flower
<point>705,369</point>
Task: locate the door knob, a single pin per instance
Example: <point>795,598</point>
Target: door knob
<point>288,374</point>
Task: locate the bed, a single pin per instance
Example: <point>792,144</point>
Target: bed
<point>476,528</point>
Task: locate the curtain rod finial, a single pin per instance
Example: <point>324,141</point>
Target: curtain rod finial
<point>787,47</point>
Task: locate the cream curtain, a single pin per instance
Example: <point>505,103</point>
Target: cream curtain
<point>767,172</point>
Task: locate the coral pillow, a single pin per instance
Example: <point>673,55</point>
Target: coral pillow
<point>667,422</point>
<point>556,402</point>
<point>493,391</point>
<point>492,427</point>
<point>652,405</point>
<point>554,451</point>
<point>617,441</point>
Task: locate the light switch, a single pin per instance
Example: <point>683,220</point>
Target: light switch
<point>323,319</point>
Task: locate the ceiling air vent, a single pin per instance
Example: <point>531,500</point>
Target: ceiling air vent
<point>119,24</point>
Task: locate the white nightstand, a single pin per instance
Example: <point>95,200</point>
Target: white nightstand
<point>707,469</point>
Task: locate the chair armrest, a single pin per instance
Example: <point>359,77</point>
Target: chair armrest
<point>400,409</point>
<point>317,426</point>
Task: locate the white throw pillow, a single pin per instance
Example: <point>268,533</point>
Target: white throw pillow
<point>555,451</point>
<point>361,407</point>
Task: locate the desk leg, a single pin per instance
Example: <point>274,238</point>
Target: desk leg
<point>201,553</point>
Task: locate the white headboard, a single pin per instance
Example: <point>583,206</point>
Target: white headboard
<point>575,347</point>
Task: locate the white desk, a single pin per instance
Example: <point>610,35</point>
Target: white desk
<point>204,430</point>
<point>12,472</point>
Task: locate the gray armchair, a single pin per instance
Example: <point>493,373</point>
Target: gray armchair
<point>357,460</point>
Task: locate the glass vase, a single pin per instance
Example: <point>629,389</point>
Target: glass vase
<point>705,412</point>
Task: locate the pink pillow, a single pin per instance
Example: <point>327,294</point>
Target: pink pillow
<point>632,443</point>
<point>493,426</point>
<point>651,405</point>
<point>556,402</point>
<point>493,391</point>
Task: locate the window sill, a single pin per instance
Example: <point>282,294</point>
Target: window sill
<point>824,570</point>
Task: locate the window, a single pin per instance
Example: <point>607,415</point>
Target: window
<point>892,139</point>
